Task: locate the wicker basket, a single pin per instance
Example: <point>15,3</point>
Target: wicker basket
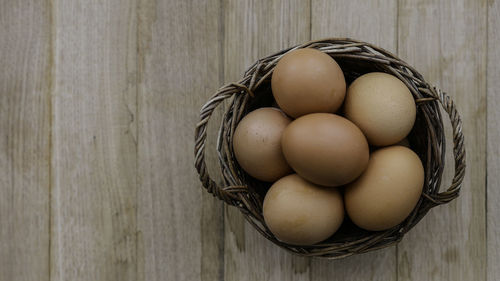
<point>355,58</point>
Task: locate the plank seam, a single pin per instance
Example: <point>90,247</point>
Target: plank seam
<point>486,141</point>
<point>51,81</point>
<point>222,58</point>
<point>139,275</point>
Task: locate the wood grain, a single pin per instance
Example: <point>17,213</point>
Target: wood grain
<point>493,148</point>
<point>374,22</point>
<point>98,103</point>
<point>450,242</point>
<point>179,68</point>
<point>94,142</point>
<point>25,86</point>
<point>254,29</point>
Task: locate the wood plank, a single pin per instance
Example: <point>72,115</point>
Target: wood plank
<point>493,148</point>
<point>25,94</point>
<point>94,156</point>
<point>374,22</point>
<point>181,225</point>
<point>254,29</point>
<point>446,42</point>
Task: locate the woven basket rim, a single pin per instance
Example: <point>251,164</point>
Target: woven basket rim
<point>241,191</point>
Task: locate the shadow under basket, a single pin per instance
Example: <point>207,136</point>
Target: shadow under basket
<point>355,58</point>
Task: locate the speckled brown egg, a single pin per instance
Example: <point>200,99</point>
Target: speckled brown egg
<point>387,191</point>
<point>325,149</point>
<point>307,81</point>
<point>257,144</point>
<point>381,106</point>
<point>301,213</point>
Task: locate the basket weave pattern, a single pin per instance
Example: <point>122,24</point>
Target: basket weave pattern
<point>355,58</point>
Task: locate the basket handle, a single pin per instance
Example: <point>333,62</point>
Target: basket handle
<point>458,148</point>
<point>229,90</point>
<point>206,111</point>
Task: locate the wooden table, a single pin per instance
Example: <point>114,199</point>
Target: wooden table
<point>98,103</point>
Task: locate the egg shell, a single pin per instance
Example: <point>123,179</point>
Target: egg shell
<point>387,191</point>
<point>382,107</point>
<point>307,81</point>
<point>257,144</point>
<point>325,149</point>
<point>301,213</point>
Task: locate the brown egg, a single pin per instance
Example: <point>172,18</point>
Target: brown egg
<point>257,144</point>
<point>381,106</point>
<point>325,149</point>
<point>301,213</point>
<point>306,81</point>
<point>387,191</point>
